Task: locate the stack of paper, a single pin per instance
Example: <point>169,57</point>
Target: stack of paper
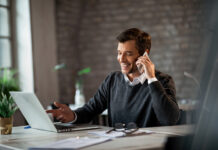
<point>80,142</point>
<point>72,143</point>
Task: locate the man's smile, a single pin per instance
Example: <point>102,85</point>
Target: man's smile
<point>124,66</point>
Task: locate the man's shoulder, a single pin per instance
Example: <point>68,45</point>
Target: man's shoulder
<point>166,80</point>
<point>161,76</point>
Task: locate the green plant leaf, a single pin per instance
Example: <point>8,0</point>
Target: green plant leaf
<point>8,81</point>
<point>7,106</point>
<point>84,71</point>
<point>59,66</point>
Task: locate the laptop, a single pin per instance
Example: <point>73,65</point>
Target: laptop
<point>37,118</point>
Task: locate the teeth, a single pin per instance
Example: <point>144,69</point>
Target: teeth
<point>124,65</point>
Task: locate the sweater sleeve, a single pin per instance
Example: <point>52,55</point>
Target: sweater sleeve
<point>96,105</point>
<point>164,101</point>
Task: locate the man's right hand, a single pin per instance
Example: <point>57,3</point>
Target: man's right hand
<point>63,113</point>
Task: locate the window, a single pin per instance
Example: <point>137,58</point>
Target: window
<point>5,34</point>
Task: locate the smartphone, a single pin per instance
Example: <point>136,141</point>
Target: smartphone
<point>140,66</point>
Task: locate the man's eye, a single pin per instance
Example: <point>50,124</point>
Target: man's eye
<point>129,54</point>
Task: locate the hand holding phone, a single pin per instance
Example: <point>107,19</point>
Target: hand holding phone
<point>139,66</point>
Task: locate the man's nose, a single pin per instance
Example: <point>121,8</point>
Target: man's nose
<point>122,58</point>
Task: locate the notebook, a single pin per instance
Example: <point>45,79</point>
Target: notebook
<point>37,118</point>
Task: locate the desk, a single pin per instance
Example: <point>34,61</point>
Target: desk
<point>23,138</point>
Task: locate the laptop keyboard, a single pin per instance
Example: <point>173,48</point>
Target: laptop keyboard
<point>64,126</point>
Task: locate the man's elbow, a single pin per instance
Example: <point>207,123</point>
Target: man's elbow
<point>172,119</point>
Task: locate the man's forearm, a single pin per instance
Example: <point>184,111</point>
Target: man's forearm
<point>164,104</point>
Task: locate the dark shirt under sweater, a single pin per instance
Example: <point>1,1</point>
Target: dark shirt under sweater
<point>145,104</point>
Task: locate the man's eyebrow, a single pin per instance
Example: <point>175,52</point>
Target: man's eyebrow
<point>129,52</point>
<point>126,51</point>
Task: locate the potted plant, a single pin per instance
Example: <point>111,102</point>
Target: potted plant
<point>7,109</point>
<point>7,106</point>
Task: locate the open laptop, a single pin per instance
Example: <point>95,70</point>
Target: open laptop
<point>37,118</point>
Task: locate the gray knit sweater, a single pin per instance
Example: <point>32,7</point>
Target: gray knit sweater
<point>146,105</point>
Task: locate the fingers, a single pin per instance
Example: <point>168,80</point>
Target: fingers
<point>59,105</point>
<point>57,114</point>
<point>54,112</point>
<point>148,66</point>
<point>62,118</point>
<point>142,61</point>
<point>50,111</point>
<point>144,58</point>
<point>63,113</point>
<point>147,57</point>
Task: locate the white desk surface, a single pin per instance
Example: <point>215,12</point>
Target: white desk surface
<point>23,138</point>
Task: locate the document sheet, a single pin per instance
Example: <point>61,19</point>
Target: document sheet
<point>72,143</point>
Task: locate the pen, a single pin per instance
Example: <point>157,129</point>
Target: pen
<point>109,131</point>
<point>27,127</point>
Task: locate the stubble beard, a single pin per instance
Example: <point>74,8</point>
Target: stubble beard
<point>133,70</point>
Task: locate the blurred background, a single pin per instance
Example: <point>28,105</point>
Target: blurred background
<point>37,35</point>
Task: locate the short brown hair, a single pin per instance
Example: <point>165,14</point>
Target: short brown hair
<point>143,39</point>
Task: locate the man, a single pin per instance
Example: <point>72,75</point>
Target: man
<point>147,99</point>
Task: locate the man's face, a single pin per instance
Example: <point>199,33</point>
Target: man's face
<point>127,56</point>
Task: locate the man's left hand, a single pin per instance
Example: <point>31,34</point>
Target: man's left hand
<point>148,66</point>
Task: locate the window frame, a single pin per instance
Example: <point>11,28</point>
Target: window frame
<point>10,7</point>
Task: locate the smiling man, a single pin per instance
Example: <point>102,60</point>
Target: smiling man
<point>127,56</point>
<point>145,97</point>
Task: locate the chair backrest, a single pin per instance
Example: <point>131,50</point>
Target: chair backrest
<point>182,117</point>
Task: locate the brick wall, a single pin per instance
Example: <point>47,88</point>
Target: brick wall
<point>86,31</point>
<point>68,17</point>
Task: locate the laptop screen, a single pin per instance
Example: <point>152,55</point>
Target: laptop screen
<point>33,111</point>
